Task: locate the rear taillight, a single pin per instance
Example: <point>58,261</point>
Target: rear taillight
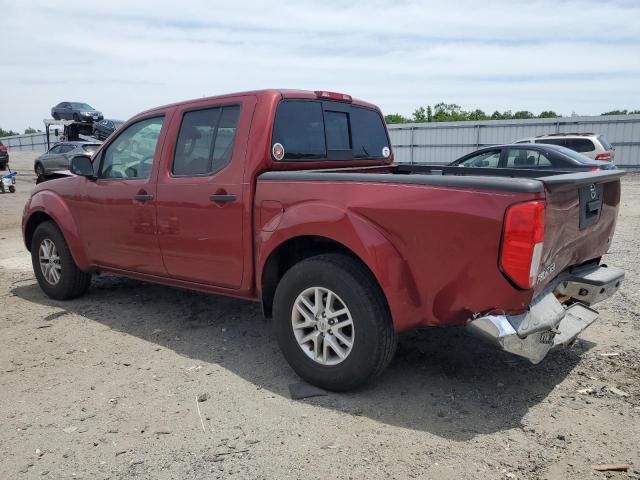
<point>604,156</point>
<point>340,97</point>
<point>522,243</point>
<point>3,149</point>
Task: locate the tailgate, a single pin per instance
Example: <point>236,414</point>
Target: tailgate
<point>580,218</point>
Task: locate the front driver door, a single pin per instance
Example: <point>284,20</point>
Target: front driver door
<point>123,234</point>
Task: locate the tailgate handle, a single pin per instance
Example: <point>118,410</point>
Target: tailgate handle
<point>594,206</point>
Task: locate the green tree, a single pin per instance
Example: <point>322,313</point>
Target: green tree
<point>395,118</point>
<point>448,112</point>
<point>420,115</point>
<point>522,114</point>
<point>30,130</point>
<point>7,133</point>
<point>548,114</point>
<point>616,112</point>
<point>477,114</point>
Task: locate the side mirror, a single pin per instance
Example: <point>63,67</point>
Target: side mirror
<point>81,165</point>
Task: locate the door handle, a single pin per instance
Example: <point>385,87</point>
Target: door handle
<point>143,197</point>
<point>224,197</point>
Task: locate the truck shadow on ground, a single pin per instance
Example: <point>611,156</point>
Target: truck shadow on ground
<point>442,381</point>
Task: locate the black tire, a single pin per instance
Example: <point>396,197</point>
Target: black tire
<point>56,116</point>
<point>72,281</point>
<point>374,340</point>
<point>39,169</point>
<point>12,189</point>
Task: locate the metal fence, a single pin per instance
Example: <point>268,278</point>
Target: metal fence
<point>36,142</point>
<point>439,143</point>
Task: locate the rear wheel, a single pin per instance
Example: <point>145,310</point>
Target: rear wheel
<point>54,267</point>
<point>332,322</point>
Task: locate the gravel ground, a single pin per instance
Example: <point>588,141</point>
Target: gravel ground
<point>106,386</point>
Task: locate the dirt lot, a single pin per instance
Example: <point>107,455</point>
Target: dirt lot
<point>105,387</point>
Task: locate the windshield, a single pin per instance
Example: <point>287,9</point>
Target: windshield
<point>82,106</point>
<point>571,154</point>
<point>91,148</point>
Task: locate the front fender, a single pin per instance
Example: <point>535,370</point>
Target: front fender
<point>54,206</point>
<point>361,236</point>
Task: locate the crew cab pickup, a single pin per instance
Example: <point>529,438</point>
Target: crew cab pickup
<point>291,199</point>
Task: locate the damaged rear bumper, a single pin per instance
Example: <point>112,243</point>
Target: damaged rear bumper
<point>548,323</point>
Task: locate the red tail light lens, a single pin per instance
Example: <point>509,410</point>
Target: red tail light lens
<point>341,97</point>
<point>522,243</point>
<point>604,156</point>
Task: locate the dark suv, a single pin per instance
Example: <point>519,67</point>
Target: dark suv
<point>4,157</point>
<point>78,111</point>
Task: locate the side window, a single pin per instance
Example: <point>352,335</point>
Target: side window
<point>521,158</point>
<point>485,159</point>
<point>580,144</point>
<point>205,142</point>
<point>55,149</point>
<point>130,155</point>
<point>299,128</point>
<point>553,141</point>
<point>66,148</point>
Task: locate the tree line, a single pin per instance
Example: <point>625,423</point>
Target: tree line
<point>452,112</point>
<point>9,133</point>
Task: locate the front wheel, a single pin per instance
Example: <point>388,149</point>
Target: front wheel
<point>332,322</point>
<point>39,170</point>
<point>56,271</point>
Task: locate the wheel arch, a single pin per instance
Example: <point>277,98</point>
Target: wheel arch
<point>47,206</point>
<point>381,259</point>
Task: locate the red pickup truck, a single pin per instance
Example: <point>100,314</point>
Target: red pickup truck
<point>291,199</point>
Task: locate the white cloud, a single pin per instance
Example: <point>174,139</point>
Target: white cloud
<point>124,57</point>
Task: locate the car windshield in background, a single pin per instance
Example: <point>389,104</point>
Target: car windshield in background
<point>310,130</point>
<point>90,148</point>
<point>82,106</point>
<point>571,154</point>
<point>605,143</point>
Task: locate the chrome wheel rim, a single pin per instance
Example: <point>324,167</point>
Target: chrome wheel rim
<point>49,261</point>
<point>323,326</point>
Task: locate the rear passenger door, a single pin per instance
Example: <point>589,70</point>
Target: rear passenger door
<point>202,204</point>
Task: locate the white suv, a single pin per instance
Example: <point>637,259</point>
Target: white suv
<point>591,145</point>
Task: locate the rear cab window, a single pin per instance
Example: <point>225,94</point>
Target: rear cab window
<point>311,130</point>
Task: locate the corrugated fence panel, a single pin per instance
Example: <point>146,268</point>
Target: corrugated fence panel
<point>446,141</point>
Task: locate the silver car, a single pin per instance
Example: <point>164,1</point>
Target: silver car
<point>60,155</point>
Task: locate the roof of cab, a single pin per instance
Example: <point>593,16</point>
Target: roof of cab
<point>265,94</point>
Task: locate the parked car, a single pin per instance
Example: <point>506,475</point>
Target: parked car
<point>78,111</point>
<point>59,156</point>
<point>531,156</point>
<point>290,199</point>
<point>592,145</point>
<point>4,157</point>
<point>104,128</point>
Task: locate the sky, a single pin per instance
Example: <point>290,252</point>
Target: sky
<point>123,57</point>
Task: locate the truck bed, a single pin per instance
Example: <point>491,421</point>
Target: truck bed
<point>449,227</point>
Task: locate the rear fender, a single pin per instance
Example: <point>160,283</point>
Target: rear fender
<point>52,205</point>
<point>359,235</point>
